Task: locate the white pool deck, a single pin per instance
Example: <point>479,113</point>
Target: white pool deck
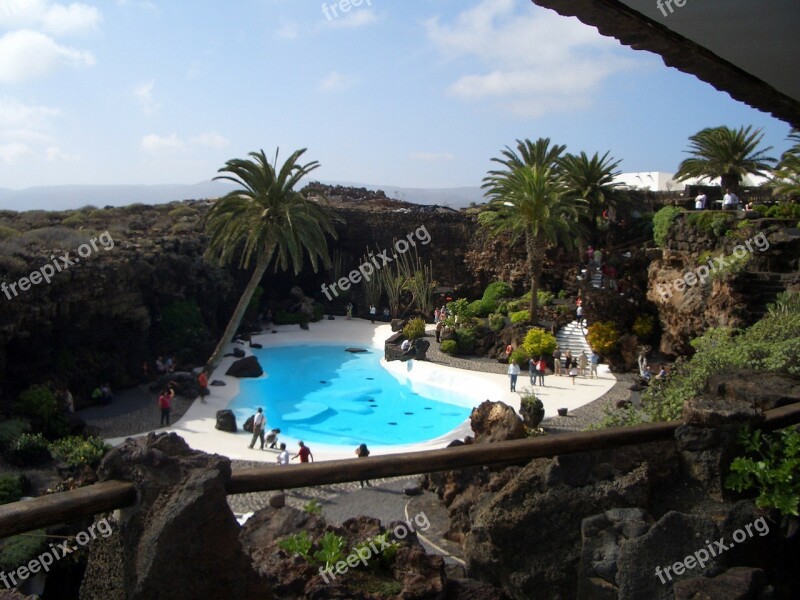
<point>197,426</point>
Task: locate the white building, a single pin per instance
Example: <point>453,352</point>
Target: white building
<point>658,181</point>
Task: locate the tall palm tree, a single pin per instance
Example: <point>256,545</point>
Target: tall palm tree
<point>265,220</point>
<point>786,178</point>
<point>725,153</point>
<point>591,180</point>
<point>530,154</point>
<point>529,201</point>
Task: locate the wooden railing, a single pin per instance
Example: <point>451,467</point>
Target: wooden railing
<point>18,517</point>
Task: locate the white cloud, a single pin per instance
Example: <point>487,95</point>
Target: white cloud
<point>9,153</point>
<point>15,114</point>
<point>144,94</point>
<point>357,17</point>
<point>157,143</point>
<point>58,19</point>
<point>534,63</point>
<point>335,82</point>
<point>210,140</point>
<point>54,154</point>
<point>287,31</point>
<point>432,156</point>
<point>27,54</point>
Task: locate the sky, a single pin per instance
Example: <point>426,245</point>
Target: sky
<point>414,93</point>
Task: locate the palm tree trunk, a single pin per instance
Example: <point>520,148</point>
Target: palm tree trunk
<point>535,257</point>
<point>238,313</point>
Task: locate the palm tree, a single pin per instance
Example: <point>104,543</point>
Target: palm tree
<point>786,178</point>
<point>725,153</point>
<point>529,201</point>
<point>591,180</point>
<point>265,219</point>
<point>530,154</point>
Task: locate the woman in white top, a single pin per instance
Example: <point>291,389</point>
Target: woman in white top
<point>513,371</point>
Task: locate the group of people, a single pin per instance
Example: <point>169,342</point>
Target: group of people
<point>730,201</point>
<point>440,314</point>
<point>573,366</point>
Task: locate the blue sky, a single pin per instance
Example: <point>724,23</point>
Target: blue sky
<point>418,93</point>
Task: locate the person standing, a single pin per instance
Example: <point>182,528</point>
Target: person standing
<point>372,313</point>
<point>283,456</point>
<point>363,452</point>
<point>730,201</point>
<point>579,314</point>
<point>557,361</point>
<point>594,360</point>
<point>349,310</point>
<point>583,362</point>
<point>541,368</point>
<point>165,404</point>
<point>304,454</point>
<point>436,315</point>
<point>202,381</point>
<point>532,370</point>
<point>258,428</point>
<point>439,329</point>
<point>700,201</point>
<point>513,372</point>
<point>567,359</point>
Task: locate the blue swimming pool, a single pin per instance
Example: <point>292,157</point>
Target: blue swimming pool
<point>322,393</point>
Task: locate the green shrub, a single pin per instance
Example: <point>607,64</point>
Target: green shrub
<point>520,316</point>
<point>562,294</point>
<point>495,291</point>
<point>414,329</point>
<point>75,220</point>
<point>181,211</point>
<point>603,337</point>
<point>544,297</point>
<point>29,449</point>
<point>517,305</point>
<point>319,311</point>
<point>313,507</point>
<point>497,321</point>
<point>332,547</point>
<point>482,308</point>
<point>40,405</point>
<point>10,430</point>
<point>299,544</point>
<point>7,232</point>
<point>76,451</point>
<point>531,409</point>
<point>711,221</point>
<point>459,307</point>
<point>182,329</point>
<point>449,347</point>
<point>11,488</point>
<point>643,326</point>
<point>784,210</point>
<point>519,356</point>
<point>770,465</point>
<point>20,549</point>
<point>465,338</point>
<point>539,342</point>
<point>662,221</point>
<point>502,307</point>
<point>771,345</point>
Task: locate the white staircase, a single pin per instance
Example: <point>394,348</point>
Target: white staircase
<point>597,279</point>
<point>572,337</point>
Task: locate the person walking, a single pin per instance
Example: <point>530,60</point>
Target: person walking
<point>258,428</point>
<point>579,314</point>
<point>557,361</point>
<point>573,370</point>
<point>513,372</point>
<point>567,359</point>
<point>304,454</point>
<point>372,312</point>
<point>594,360</point>
<point>583,362</point>
<point>363,452</point>
<point>165,404</point>
<point>532,370</point>
<point>283,456</point>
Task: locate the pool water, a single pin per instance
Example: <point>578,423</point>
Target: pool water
<point>322,393</point>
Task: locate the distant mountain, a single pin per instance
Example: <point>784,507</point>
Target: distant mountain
<point>63,197</point>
